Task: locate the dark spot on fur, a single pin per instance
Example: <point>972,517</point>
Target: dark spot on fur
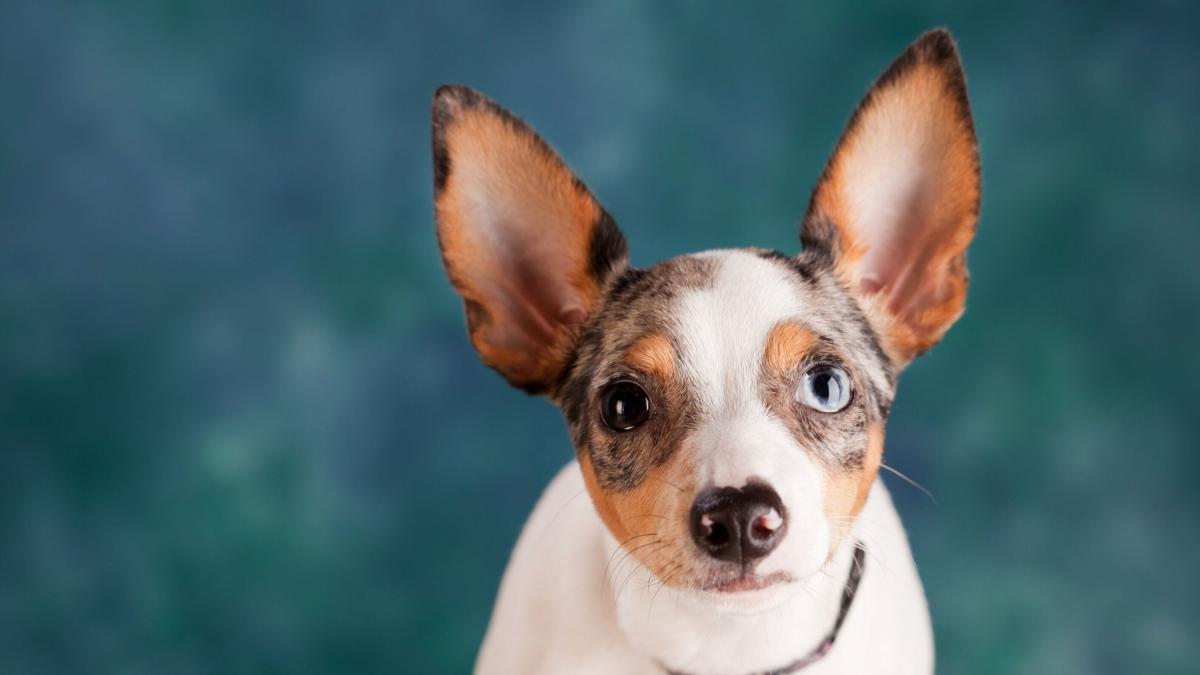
<point>607,250</point>
<point>636,303</point>
<point>477,315</point>
<point>819,241</point>
<point>802,266</point>
<point>628,279</point>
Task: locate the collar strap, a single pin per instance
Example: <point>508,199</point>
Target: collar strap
<point>857,566</point>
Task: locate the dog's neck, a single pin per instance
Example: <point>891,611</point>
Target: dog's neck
<point>690,633</point>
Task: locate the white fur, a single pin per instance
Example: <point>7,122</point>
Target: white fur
<point>563,609</point>
<point>559,612</point>
<point>722,334</point>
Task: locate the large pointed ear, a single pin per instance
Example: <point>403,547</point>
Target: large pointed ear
<point>524,242</point>
<point>899,199</point>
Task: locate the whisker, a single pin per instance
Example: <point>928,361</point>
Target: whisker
<point>635,562</point>
<point>662,581</point>
<point>620,547</point>
<point>668,483</point>
<point>623,584</point>
<point>866,531</point>
<point>559,512</point>
<point>668,568</point>
<point>658,544</point>
<point>910,481</point>
<point>808,591</point>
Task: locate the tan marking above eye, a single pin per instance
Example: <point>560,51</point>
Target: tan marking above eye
<point>787,344</point>
<point>653,354</point>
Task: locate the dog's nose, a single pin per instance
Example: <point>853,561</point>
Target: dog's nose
<point>738,524</point>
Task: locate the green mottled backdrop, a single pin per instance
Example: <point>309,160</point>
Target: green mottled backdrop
<point>242,431</point>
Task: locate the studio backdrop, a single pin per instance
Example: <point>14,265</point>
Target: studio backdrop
<point>242,429</point>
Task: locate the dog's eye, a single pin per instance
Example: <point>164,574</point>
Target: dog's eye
<point>825,389</point>
<point>624,405</point>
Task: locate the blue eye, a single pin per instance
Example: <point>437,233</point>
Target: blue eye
<point>825,389</point>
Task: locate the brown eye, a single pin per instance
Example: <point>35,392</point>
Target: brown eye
<point>624,405</point>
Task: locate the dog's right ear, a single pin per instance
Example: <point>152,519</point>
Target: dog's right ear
<point>524,242</point>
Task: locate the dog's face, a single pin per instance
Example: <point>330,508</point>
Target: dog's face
<point>727,408</point>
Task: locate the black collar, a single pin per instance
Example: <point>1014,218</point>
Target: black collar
<point>851,589</point>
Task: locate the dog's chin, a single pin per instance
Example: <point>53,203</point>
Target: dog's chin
<point>749,593</point>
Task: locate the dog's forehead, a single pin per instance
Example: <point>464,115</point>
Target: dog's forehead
<point>718,309</point>
<point>721,329</point>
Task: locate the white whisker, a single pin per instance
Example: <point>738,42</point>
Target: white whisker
<point>911,482</point>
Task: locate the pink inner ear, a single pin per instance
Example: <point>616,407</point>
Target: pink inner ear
<point>902,189</point>
<point>572,315</point>
<point>906,247</point>
<point>869,285</point>
<point>902,182</point>
<point>538,303</point>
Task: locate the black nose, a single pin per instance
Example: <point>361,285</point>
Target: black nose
<point>738,525</point>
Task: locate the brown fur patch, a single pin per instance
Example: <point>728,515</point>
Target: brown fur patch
<point>649,521</point>
<point>653,354</point>
<point>787,345</point>
<point>847,490</point>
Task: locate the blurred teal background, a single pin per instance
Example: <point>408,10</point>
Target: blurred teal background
<point>241,428</point>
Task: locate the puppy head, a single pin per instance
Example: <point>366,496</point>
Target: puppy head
<point>727,408</point>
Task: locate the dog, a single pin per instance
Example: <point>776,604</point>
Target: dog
<point>727,408</point>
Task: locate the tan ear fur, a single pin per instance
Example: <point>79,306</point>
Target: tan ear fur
<point>523,241</point>
<point>899,199</point>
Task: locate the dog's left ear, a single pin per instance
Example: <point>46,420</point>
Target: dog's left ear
<point>524,242</point>
<point>899,199</point>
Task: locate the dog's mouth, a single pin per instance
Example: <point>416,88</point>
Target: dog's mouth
<point>745,583</point>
